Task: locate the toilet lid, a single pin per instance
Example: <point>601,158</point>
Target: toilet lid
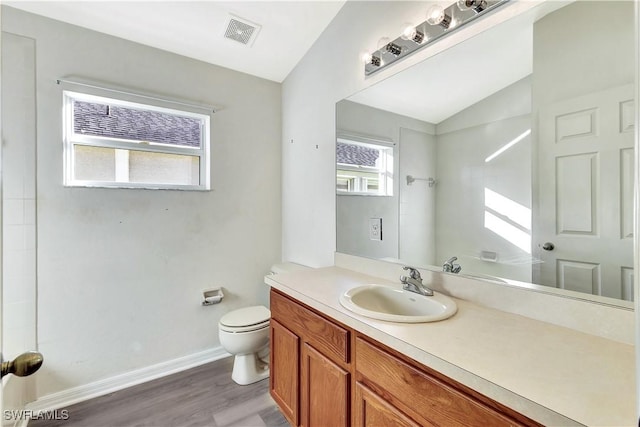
<point>247,316</point>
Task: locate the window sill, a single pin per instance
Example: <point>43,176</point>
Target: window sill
<point>135,186</point>
<point>345,193</point>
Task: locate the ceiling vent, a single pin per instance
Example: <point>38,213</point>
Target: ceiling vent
<point>241,30</point>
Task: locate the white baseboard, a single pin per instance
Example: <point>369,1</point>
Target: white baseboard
<point>81,393</point>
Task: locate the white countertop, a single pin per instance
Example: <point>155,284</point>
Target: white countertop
<point>552,374</point>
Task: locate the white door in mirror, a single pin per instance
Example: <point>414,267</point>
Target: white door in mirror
<point>584,220</point>
<point>396,305</point>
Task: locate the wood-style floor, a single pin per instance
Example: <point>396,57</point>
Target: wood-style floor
<point>204,396</point>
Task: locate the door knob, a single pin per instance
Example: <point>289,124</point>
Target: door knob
<point>548,246</point>
<point>23,365</point>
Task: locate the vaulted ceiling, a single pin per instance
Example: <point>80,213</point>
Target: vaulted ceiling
<point>287,29</point>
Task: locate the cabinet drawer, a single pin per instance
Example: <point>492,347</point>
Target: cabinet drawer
<point>422,396</point>
<point>326,336</point>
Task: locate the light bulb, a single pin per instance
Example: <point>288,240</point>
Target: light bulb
<point>409,32</point>
<point>465,4</point>
<point>383,42</point>
<point>435,14</point>
<point>369,58</point>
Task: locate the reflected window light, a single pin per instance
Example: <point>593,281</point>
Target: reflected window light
<point>517,213</point>
<point>509,145</point>
<point>509,232</point>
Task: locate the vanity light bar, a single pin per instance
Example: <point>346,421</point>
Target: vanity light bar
<point>454,16</point>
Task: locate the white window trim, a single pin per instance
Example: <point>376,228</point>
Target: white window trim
<point>357,183</point>
<point>385,178</point>
<point>357,168</point>
<point>72,139</point>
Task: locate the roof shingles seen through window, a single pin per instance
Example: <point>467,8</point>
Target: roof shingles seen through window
<point>359,155</point>
<point>110,121</point>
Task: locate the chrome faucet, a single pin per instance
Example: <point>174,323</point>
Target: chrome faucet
<point>450,267</point>
<point>413,282</point>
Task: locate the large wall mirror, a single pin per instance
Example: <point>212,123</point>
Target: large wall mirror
<point>512,151</point>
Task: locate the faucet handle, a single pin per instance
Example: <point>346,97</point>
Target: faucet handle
<point>413,272</point>
<point>450,267</point>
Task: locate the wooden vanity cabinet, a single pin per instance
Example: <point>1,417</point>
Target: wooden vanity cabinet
<point>325,374</point>
<point>310,370</point>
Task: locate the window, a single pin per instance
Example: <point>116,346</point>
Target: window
<point>364,168</point>
<point>117,143</point>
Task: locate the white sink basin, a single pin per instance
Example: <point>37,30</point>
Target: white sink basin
<point>396,305</point>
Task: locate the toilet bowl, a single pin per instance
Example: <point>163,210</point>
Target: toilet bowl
<point>245,334</point>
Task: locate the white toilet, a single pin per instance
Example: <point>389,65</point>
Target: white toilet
<point>245,333</point>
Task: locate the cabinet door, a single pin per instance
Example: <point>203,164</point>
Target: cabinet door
<point>325,391</point>
<point>284,373</point>
<point>372,411</point>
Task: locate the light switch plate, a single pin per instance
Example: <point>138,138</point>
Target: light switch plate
<point>375,228</point>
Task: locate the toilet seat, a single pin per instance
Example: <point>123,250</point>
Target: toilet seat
<point>240,329</point>
<point>245,319</point>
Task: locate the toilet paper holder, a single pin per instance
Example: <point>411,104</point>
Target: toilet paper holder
<point>212,296</point>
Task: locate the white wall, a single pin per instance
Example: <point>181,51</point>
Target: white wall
<point>577,38</point>
<point>352,226</point>
<point>120,273</point>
